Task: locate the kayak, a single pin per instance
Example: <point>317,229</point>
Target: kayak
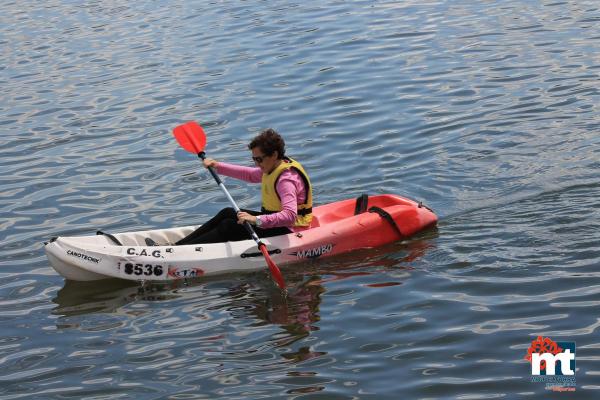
<point>338,227</point>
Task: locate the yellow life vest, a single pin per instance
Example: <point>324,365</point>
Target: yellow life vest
<point>270,198</point>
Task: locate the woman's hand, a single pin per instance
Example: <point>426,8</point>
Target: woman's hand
<point>244,216</point>
<point>209,162</point>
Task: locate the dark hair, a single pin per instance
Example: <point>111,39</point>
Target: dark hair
<point>269,142</point>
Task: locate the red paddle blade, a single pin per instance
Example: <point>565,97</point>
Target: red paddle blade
<point>190,136</point>
<point>275,272</point>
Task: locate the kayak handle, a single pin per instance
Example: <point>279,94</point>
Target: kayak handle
<point>249,255</point>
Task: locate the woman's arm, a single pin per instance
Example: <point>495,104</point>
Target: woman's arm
<point>248,174</point>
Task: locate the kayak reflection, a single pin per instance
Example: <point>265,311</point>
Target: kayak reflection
<point>297,312</point>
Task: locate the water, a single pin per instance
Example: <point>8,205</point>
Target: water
<point>486,111</point>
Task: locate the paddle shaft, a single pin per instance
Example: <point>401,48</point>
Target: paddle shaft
<point>192,138</point>
<point>247,225</point>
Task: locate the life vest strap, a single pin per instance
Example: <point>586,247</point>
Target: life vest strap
<point>302,211</point>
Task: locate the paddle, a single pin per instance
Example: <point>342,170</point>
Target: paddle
<point>192,138</point>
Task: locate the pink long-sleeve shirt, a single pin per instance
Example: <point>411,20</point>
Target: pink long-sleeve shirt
<point>290,188</point>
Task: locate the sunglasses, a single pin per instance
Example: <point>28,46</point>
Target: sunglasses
<point>259,159</point>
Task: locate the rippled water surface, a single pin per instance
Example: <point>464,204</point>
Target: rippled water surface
<point>486,111</point>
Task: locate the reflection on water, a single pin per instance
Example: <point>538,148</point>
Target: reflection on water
<point>246,322</point>
<point>76,298</point>
<point>298,303</point>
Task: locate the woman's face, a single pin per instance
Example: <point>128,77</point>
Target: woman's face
<point>264,162</point>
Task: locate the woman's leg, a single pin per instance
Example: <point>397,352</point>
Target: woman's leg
<point>270,232</point>
<point>230,231</point>
<point>224,227</point>
<point>213,223</point>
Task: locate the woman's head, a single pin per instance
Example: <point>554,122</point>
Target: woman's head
<point>269,142</point>
<point>268,149</point>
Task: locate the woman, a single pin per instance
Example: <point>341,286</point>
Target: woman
<point>286,195</point>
